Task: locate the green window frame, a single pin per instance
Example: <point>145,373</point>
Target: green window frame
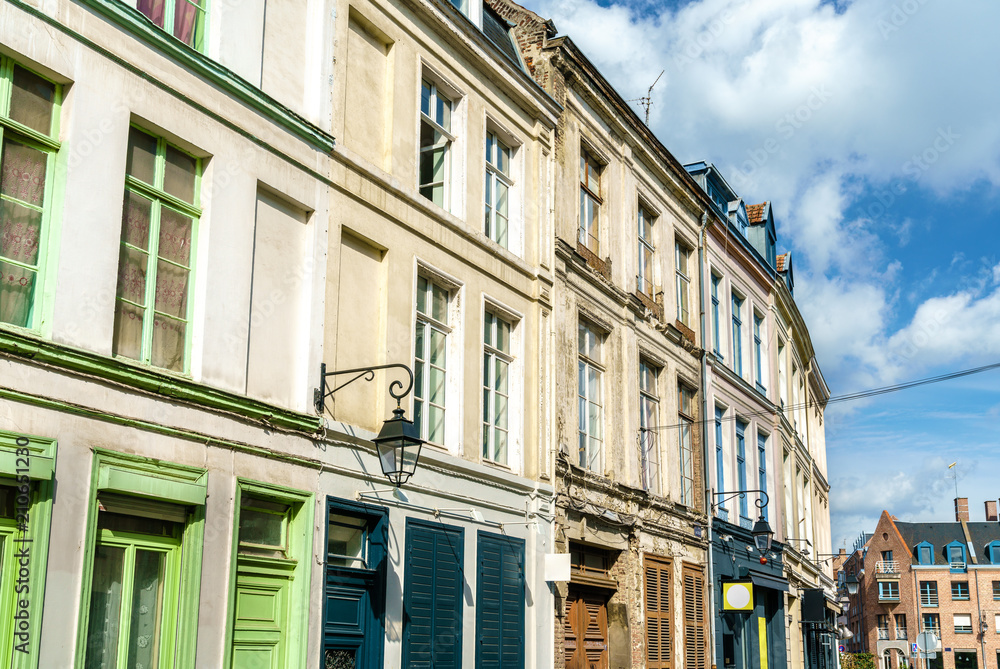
<point>27,465</point>
<point>258,567</point>
<point>160,214</point>
<point>497,361</point>
<point>185,20</point>
<point>29,131</point>
<point>162,495</point>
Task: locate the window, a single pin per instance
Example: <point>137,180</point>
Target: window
<point>960,590</point>
<point>588,561</point>
<point>500,602</point>
<point>762,467</point>
<point>159,223</point>
<point>435,144</point>
<point>649,410</point>
<point>996,590</point>
<point>682,258</point>
<point>647,253</point>
<point>888,590</point>
<point>963,623</point>
<point>886,556</point>
<point>928,593</point>
<point>430,364</point>
<point>996,622</point>
<point>737,335</point>
<point>133,603</point>
<point>716,340</point>
<point>658,583</point>
<point>932,623</point>
<point>782,375</point>
<point>263,527</point>
<point>741,469</point>
<point>184,19</point>
<point>496,387</point>
<point>590,202</point>
<point>432,595</point>
<point>145,564</point>
<point>686,414</point>
<point>758,353</point>
<point>883,626</point>
<point>956,556</point>
<point>925,553</point>
<point>591,428</point>
<point>498,185</point>
<point>720,462</point>
<point>993,552</point>
<point>900,626</point>
<point>29,107</point>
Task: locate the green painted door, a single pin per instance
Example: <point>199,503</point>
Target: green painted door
<point>8,568</point>
<point>261,618</point>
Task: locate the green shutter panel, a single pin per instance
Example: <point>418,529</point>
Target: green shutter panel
<point>432,599</point>
<point>500,602</point>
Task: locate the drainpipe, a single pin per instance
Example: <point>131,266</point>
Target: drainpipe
<point>980,631</point>
<point>709,498</point>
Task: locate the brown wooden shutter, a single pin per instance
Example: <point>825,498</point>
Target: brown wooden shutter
<point>695,634</point>
<point>659,622</point>
<point>585,640</point>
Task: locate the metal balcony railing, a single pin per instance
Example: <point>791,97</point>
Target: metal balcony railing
<point>901,634</point>
<point>883,634</point>
<point>886,568</point>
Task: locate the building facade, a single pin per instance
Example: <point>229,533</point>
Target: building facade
<point>184,243</point>
<point>942,578</point>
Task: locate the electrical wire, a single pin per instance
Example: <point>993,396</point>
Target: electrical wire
<point>851,397</point>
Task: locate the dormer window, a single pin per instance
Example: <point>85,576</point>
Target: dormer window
<point>925,553</point>
<point>993,552</point>
<point>955,552</point>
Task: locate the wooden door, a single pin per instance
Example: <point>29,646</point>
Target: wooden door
<point>586,631</point>
<point>261,618</point>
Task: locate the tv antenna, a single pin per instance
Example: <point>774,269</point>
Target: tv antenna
<point>647,101</point>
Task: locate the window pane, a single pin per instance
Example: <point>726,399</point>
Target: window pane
<point>503,336</point>
<point>501,412</point>
<point>435,424</point>
<point>346,537</point>
<point>500,382</point>
<point>175,236</point>
<point>179,173</point>
<point>17,287</point>
<point>187,23</point>
<point>147,609</point>
<point>132,266</point>
<point>425,98</point>
<point>439,304</point>
<point>22,175</point>
<point>136,215</point>
<point>488,321</point>
<point>141,160</point>
<point>438,350</point>
<point>500,446</point>
<point>421,295</point>
<point>436,390</point>
<point>443,115</point>
<point>127,339</point>
<point>168,343</point>
<point>105,607</point>
<point>153,9</point>
<point>32,100</point>
<point>171,289</point>
<point>261,528</point>
<point>20,229</point>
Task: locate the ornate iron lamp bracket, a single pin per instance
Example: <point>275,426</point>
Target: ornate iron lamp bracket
<point>759,503</point>
<point>368,374</point>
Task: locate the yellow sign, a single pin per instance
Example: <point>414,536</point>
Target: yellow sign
<point>737,596</point>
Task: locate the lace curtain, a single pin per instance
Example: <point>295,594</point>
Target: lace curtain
<point>22,178</point>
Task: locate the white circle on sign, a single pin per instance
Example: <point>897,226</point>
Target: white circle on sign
<point>738,596</point>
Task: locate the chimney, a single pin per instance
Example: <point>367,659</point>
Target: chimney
<point>961,509</point>
<point>991,511</point>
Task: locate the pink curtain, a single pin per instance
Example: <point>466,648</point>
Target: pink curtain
<point>153,9</point>
<point>22,177</point>
<point>185,21</point>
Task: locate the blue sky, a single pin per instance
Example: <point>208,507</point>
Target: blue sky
<point>874,128</point>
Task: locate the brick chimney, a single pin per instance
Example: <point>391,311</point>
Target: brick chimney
<point>991,511</point>
<point>961,509</point>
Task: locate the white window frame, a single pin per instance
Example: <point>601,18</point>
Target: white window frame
<point>586,364</point>
<point>737,330</point>
<point>451,199</point>
<point>683,280</point>
<point>453,356</point>
<point>515,382</point>
<point>513,180</point>
<point>588,156</point>
<point>645,246</point>
<point>650,457</point>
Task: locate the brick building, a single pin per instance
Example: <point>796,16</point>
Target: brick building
<point>938,577</point>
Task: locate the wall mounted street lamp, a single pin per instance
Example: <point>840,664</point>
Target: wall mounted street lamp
<point>761,532</point>
<point>851,583</point>
<point>398,442</point>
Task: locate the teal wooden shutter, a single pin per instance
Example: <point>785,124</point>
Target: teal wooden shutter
<point>500,602</point>
<point>432,598</point>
